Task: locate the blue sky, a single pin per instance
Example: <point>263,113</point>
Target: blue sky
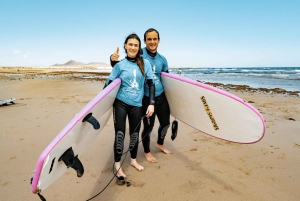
<point>198,33</point>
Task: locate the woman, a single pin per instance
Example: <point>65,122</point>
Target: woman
<point>134,71</point>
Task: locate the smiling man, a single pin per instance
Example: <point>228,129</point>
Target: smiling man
<point>162,111</point>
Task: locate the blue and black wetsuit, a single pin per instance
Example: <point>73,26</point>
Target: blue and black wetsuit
<point>128,102</point>
<point>162,110</point>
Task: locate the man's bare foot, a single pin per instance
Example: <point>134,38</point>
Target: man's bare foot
<point>120,172</point>
<point>150,157</point>
<point>136,165</point>
<point>163,148</point>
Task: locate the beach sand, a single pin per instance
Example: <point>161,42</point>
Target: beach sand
<point>201,167</point>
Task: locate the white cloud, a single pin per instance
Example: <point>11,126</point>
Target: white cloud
<point>16,52</point>
<point>26,54</point>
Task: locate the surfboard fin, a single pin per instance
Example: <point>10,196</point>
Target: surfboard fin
<point>72,161</point>
<point>92,120</point>
<point>174,129</point>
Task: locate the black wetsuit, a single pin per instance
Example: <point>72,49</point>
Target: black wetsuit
<point>135,114</point>
<point>129,102</point>
<point>162,110</point>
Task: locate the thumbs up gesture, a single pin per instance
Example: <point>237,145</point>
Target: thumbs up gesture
<point>115,55</point>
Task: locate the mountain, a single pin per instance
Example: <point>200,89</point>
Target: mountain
<point>76,63</point>
<point>97,64</point>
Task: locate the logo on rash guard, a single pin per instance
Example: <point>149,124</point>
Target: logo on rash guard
<point>155,80</point>
<point>133,89</point>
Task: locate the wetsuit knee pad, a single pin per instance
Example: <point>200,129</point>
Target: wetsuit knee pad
<point>119,142</point>
<point>133,140</point>
<point>163,131</point>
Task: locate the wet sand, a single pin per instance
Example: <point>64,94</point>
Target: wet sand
<point>201,167</point>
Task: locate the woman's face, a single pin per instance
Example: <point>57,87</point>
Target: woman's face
<point>132,47</point>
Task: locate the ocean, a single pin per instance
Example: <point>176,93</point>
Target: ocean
<point>287,78</point>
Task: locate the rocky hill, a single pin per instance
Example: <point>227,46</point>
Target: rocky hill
<point>76,63</point>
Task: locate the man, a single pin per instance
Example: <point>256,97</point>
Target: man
<point>162,111</point>
<point>179,72</point>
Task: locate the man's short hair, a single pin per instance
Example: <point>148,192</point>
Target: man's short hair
<point>150,30</point>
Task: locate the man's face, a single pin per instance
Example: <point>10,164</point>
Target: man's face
<point>152,41</point>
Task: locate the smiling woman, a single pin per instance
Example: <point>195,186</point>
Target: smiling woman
<point>133,71</point>
<point>132,46</point>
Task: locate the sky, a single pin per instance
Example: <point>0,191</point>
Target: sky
<point>193,33</point>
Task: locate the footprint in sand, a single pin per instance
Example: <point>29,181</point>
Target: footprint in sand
<point>192,187</point>
<point>296,145</point>
<point>269,168</point>
<point>140,184</point>
<point>281,156</point>
<point>5,184</point>
<point>190,168</point>
<point>106,170</point>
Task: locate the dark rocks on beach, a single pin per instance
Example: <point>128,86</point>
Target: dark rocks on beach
<point>249,89</point>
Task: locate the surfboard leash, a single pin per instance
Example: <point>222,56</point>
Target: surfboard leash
<point>125,153</point>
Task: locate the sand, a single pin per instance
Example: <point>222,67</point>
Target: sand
<point>201,167</point>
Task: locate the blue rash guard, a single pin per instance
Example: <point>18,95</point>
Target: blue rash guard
<point>131,90</point>
<point>158,64</point>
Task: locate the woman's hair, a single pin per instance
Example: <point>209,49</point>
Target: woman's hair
<point>139,59</point>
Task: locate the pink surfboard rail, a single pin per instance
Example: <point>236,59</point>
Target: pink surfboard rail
<point>69,126</point>
<point>211,88</point>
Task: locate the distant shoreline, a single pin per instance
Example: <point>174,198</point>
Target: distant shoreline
<point>101,74</point>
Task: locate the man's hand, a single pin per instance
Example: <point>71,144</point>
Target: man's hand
<point>150,111</point>
<point>115,55</point>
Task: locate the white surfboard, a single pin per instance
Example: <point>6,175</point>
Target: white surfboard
<point>8,101</point>
<point>213,111</point>
<point>78,135</point>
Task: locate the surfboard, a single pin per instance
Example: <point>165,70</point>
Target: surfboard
<point>7,101</point>
<point>212,110</point>
<point>67,147</point>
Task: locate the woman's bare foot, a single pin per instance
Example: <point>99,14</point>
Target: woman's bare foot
<point>150,157</point>
<point>136,165</point>
<point>120,172</point>
<point>163,148</point>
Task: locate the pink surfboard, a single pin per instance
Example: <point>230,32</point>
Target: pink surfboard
<point>77,136</point>
<point>213,111</point>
